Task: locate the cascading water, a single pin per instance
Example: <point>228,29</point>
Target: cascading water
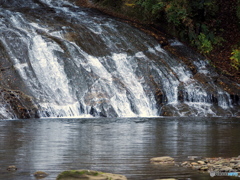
<point>76,62</point>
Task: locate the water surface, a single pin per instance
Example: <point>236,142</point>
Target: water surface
<point>116,145</point>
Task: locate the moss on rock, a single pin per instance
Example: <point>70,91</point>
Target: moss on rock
<point>88,175</point>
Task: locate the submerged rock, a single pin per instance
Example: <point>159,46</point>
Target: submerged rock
<point>162,160</point>
<point>89,174</point>
<point>194,157</point>
<point>12,168</point>
<point>40,174</point>
<point>167,179</point>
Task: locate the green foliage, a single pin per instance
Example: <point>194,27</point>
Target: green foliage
<point>151,8</point>
<point>203,44</point>
<point>235,58</point>
<point>205,40</point>
<point>191,20</point>
<point>156,8</point>
<point>175,12</point>
<point>116,4</point>
<point>188,19</point>
<point>203,8</point>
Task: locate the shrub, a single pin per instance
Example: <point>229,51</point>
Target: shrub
<point>151,9</point>
<point>235,58</point>
<point>204,44</point>
<point>204,40</point>
<point>187,18</point>
<point>175,12</point>
<point>116,4</point>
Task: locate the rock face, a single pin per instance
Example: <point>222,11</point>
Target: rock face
<point>212,81</point>
<point>89,174</point>
<point>16,104</point>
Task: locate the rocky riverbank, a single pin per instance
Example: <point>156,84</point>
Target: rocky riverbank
<point>216,166</point>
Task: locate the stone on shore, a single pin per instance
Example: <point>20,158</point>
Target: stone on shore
<point>215,164</point>
<point>201,162</point>
<point>89,175</point>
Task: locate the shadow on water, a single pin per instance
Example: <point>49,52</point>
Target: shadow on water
<point>117,145</point>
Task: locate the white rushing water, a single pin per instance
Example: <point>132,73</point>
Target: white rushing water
<point>77,63</point>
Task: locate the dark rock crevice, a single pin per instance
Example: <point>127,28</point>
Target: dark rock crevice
<point>17,104</point>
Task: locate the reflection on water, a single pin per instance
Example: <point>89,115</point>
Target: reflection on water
<point>121,146</point>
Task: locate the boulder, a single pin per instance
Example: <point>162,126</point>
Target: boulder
<point>201,162</point>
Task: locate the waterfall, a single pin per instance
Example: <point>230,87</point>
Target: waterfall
<point>75,62</point>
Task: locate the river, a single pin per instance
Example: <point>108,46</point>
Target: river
<point>116,145</point>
